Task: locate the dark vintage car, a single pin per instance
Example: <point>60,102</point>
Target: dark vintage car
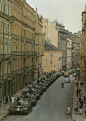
<point>20,106</point>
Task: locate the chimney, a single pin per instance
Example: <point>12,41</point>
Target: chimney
<point>85,7</point>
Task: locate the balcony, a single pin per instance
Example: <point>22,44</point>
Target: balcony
<point>42,53</point>
<point>5,56</point>
<point>24,53</point>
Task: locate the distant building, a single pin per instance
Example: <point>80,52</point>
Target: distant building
<point>51,33</point>
<point>62,43</point>
<point>69,53</point>
<point>76,49</point>
<point>56,35</point>
<point>52,59</point>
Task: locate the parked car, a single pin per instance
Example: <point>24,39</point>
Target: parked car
<point>66,74</point>
<point>67,80</point>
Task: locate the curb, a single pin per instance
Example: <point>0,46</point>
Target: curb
<point>4,116</point>
<point>73,101</point>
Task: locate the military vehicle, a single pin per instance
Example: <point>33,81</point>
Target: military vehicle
<point>20,106</point>
<point>31,97</point>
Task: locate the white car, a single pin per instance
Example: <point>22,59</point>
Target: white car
<point>67,80</point>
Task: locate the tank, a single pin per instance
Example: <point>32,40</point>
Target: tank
<point>30,97</point>
<point>20,106</point>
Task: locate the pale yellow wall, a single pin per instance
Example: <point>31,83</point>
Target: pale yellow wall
<point>51,34</point>
<point>56,65</point>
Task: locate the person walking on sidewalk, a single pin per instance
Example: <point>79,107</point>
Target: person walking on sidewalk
<point>80,111</point>
<point>68,110</point>
<point>12,99</point>
<point>77,91</point>
<point>6,99</point>
<point>85,99</point>
<point>81,100</point>
<point>76,108</point>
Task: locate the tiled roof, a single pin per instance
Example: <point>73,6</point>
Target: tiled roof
<point>49,46</point>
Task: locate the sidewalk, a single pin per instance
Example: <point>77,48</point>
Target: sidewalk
<point>76,116</point>
<point>4,110</point>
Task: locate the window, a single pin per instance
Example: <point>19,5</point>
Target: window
<point>46,61</point>
<point>51,54</point>
<point>42,49</point>
<point>42,40</point>
<point>51,62</point>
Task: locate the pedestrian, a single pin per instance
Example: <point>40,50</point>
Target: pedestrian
<point>85,99</point>
<point>76,108</point>
<point>77,84</point>
<point>81,100</point>
<point>80,109</point>
<point>6,99</point>
<point>85,112</point>
<point>77,92</point>
<point>26,84</point>
<point>12,99</point>
<point>68,110</point>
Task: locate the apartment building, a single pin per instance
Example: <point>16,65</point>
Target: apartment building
<point>69,53</point>
<point>83,48</point>
<point>5,44</point>
<point>21,45</point>
<point>52,59</point>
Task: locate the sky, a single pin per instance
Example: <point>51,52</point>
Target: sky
<point>67,12</point>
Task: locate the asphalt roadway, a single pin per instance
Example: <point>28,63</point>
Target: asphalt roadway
<point>52,105</point>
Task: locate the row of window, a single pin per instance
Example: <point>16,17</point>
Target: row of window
<point>51,54</point>
<point>46,62</point>
<point>6,8</point>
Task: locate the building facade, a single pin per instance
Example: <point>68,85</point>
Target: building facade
<point>50,31</point>
<point>52,59</point>
<point>39,45</point>
<point>62,43</point>
<point>76,49</point>
<point>21,45</point>
<point>73,53</point>
<point>5,44</point>
<point>69,53</point>
<point>83,48</point>
<point>56,35</point>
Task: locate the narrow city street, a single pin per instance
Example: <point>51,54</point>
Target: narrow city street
<point>52,105</point>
